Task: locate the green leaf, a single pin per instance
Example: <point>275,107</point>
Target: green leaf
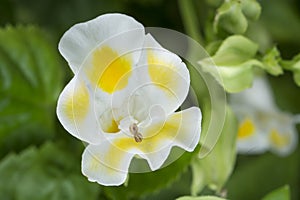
<point>235,50</point>
<point>282,193</point>
<point>201,198</point>
<point>48,173</point>
<point>236,79</point>
<point>271,62</point>
<point>31,80</point>
<point>141,184</point>
<point>258,175</point>
<point>235,61</point>
<point>214,169</point>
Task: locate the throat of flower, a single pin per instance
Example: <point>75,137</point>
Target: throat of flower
<point>133,128</point>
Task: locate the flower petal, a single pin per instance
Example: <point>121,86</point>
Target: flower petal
<point>282,134</point>
<point>123,32</point>
<point>106,164</point>
<point>180,129</point>
<point>258,97</point>
<point>164,77</point>
<point>256,144</point>
<point>75,111</point>
<point>251,138</point>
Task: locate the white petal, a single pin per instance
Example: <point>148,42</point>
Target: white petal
<point>78,42</point>
<point>164,78</point>
<point>258,97</point>
<point>282,134</point>
<point>257,144</point>
<point>180,129</point>
<point>252,137</point>
<point>75,111</point>
<point>106,164</point>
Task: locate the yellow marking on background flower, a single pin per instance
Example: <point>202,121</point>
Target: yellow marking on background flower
<point>246,129</point>
<point>110,71</point>
<point>278,139</point>
<point>77,105</point>
<point>162,73</point>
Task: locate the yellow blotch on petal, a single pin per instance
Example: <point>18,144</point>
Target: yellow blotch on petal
<point>246,129</point>
<point>77,105</point>
<point>108,122</point>
<point>157,134</point>
<point>109,71</point>
<point>112,128</point>
<point>154,135</point>
<point>162,73</point>
<point>279,140</point>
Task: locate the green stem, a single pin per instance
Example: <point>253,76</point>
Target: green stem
<point>189,18</point>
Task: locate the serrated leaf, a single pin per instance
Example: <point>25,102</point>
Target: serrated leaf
<point>30,83</point>
<point>48,173</point>
<point>201,198</point>
<point>214,169</point>
<point>282,193</point>
<point>141,184</point>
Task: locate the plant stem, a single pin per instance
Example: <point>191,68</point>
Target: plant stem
<point>189,18</point>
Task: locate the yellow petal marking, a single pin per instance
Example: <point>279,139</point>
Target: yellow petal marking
<point>278,139</point>
<point>109,71</point>
<point>77,105</point>
<point>113,128</point>
<point>163,74</point>
<point>159,133</point>
<point>108,123</point>
<point>246,129</point>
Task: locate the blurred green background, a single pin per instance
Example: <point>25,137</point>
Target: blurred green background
<point>40,160</point>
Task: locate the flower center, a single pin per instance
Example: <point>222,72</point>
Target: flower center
<point>133,128</point>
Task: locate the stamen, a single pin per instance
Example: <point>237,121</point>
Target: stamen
<point>138,137</point>
<point>133,128</point>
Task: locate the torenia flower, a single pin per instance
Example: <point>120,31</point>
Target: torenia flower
<point>123,97</point>
<point>262,125</point>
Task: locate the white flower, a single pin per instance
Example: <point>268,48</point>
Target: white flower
<point>123,97</point>
<point>262,126</point>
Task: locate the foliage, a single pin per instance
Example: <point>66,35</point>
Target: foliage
<point>214,169</point>
<point>47,173</point>
<point>31,79</point>
<point>282,193</point>
<point>201,198</point>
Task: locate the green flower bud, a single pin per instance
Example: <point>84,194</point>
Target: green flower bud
<point>271,62</point>
<point>251,9</point>
<point>231,18</point>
